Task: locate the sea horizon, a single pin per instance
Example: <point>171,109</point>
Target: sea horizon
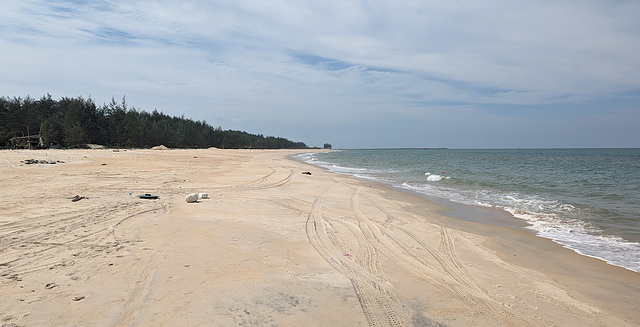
<point>483,148</point>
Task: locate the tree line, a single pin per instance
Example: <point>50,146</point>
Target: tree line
<point>75,122</point>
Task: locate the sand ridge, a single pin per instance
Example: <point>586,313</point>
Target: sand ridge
<point>271,247</point>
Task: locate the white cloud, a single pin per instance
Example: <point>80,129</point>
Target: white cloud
<point>246,59</point>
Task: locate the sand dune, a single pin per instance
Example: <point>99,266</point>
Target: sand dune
<point>270,247</point>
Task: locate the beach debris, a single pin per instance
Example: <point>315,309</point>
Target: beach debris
<point>78,198</point>
<point>50,286</point>
<point>148,196</point>
<point>16,278</point>
<point>77,298</point>
<point>159,147</point>
<point>191,198</point>
<point>194,197</point>
<point>36,161</point>
<point>306,173</point>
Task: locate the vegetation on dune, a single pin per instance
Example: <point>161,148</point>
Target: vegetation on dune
<point>75,122</point>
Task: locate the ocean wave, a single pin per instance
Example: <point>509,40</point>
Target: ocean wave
<point>364,173</point>
<point>549,219</point>
<point>583,238</point>
<point>435,177</point>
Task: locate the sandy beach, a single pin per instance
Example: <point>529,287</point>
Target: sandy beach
<point>271,246</point>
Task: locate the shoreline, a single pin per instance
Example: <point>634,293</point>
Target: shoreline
<point>271,246</point>
<point>496,216</point>
<point>574,274</point>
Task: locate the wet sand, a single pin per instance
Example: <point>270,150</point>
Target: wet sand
<point>271,247</point>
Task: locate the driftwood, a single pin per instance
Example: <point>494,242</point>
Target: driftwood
<point>36,161</point>
<point>77,198</point>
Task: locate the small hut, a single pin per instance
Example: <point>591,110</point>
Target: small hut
<point>26,142</point>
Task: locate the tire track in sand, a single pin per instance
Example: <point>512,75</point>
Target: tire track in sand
<point>35,244</point>
<point>452,271</point>
<point>136,298</point>
<point>260,183</point>
<point>446,258</point>
<point>375,293</point>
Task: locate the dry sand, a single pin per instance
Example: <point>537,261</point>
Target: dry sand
<point>271,247</point>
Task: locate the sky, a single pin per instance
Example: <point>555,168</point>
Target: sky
<point>355,74</point>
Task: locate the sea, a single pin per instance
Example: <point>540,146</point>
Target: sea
<point>587,200</point>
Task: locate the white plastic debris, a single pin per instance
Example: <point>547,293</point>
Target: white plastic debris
<point>191,198</point>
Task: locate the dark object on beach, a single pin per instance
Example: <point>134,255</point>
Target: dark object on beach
<point>77,298</point>
<point>148,196</point>
<point>306,173</point>
<point>36,161</point>
<point>78,198</point>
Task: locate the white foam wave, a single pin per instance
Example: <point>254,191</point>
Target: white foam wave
<point>548,218</point>
<point>435,177</point>
<point>362,173</point>
<point>308,157</point>
<point>441,192</point>
<point>583,238</point>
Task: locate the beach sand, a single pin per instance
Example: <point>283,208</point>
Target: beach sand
<point>270,247</point>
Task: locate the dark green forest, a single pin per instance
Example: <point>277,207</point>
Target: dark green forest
<point>76,122</point>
